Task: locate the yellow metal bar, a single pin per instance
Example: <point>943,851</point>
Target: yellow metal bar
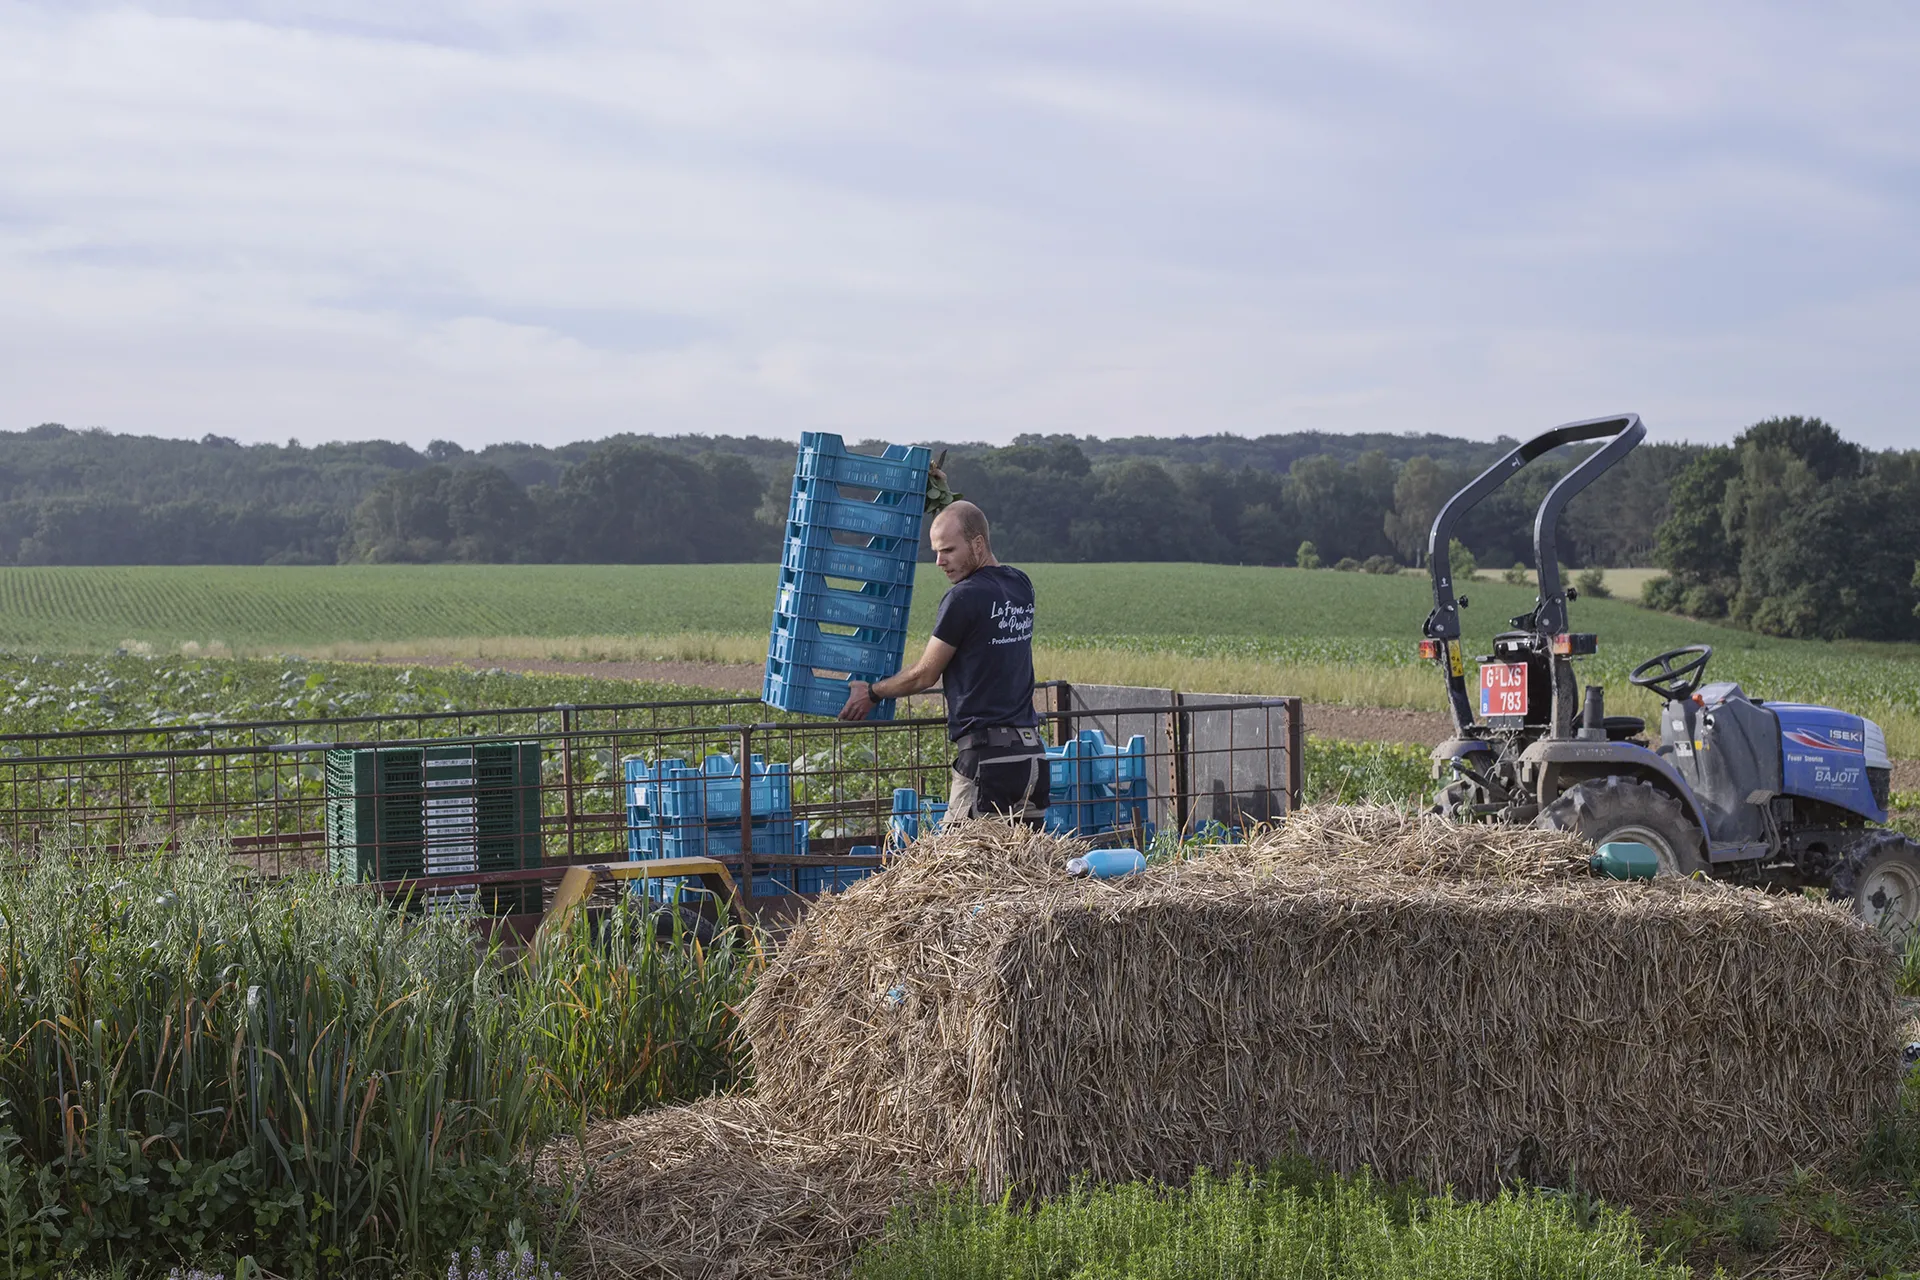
<point>577,885</point>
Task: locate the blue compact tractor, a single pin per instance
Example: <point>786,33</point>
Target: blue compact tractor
<point>1769,793</point>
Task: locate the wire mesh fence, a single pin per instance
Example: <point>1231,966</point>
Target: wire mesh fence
<point>1137,761</point>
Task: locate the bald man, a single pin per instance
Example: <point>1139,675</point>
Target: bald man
<point>983,647</point>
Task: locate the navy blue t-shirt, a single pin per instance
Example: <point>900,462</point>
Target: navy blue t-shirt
<point>987,617</point>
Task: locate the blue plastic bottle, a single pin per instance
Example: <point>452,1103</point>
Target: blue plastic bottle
<point>1106,864</point>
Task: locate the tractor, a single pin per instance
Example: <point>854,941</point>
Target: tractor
<point>1773,794</point>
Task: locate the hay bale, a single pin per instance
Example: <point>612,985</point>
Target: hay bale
<point>1454,1005</point>
<point>724,1189</point>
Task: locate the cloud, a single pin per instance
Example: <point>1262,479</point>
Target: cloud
<point>498,220</point>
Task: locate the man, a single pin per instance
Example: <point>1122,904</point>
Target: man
<point>983,645</point>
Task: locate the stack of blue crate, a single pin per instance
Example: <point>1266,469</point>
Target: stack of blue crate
<point>1098,788</point>
<point>678,811</point>
<point>846,574</point>
<point>911,817</point>
<point>832,879</point>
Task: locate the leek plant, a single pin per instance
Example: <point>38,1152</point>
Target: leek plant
<point>632,1010</point>
<point>194,1068</point>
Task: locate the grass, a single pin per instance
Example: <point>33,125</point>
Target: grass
<point>196,1069</point>
<point>1851,1225</point>
<point>1327,636</point>
<point>1287,1221</point>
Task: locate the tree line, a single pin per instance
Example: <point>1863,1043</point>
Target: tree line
<point>1790,530</point>
<point>1794,531</point>
<point>91,497</point>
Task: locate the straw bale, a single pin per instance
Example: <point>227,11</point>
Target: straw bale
<point>1450,1004</point>
<point>723,1188</point>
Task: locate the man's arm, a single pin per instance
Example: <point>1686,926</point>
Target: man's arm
<point>923,674</point>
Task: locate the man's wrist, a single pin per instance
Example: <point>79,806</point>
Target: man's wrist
<point>873,690</point>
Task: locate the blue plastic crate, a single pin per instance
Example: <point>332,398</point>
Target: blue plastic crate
<point>821,504</point>
<point>673,792</point>
<point>912,817</point>
<point>901,468</point>
<point>804,643</point>
<point>811,596</point>
<point>769,840</point>
<point>817,537</point>
<point>799,690</point>
<point>1095,815</point>
<point>769,880</point>
<point>1090,760</point>
<point>822,879</point>
<point>890,561</point>
<point>782,838</point>
<point>1096,787</point>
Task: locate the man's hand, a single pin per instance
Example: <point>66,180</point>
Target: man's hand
<point>859,700</point>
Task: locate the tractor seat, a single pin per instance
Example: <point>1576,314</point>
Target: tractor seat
<point>1621,728</point>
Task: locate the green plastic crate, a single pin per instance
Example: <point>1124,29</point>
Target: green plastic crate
<point>394,812</point>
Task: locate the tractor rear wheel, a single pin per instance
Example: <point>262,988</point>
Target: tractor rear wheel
<point>1615,808</point>
<point>1886,884</point>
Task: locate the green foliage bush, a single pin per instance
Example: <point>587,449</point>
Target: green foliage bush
<point>1308,557</point>
<point>1380,564</point>
<point>1341,772</point>
<point>623,1014</point>
<point>1287,1221</point>
<point>1663,593</point>
<point>1592,584</point>
<point>1347,564</point>
<point>1703,600</point>
<point>196,1069</point>
<point>1516,576</point>
<point>1793,531</point>
<point>1462,560</point>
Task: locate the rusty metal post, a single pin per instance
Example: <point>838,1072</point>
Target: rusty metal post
<point>1296,754</point>
<point>746,811</point>
<point>1062,713</point>
<point>1179,775</point>
<point>566,770</point>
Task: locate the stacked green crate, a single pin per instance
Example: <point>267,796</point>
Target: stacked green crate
<point>507,820</point>
<point>394,812</point>
<point>375,819</point>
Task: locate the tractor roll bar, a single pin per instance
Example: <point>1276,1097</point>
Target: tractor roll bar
<point>1443,623</point>
<point>1551,616</point>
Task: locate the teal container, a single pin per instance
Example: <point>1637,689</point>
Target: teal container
<point>1107,864</point>
<point>1625,860</point>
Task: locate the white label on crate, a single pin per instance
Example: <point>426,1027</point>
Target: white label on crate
<point>465,781</point>
<point>449,901</point>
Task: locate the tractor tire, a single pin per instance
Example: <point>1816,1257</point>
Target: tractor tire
<point>1617,808</point>
<point>1882,877</point>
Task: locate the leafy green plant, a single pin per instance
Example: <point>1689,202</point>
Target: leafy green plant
<point>635,1009</point>
<point>1341,772</point>
<point>196,1068</point>
<point>1592,584</point>
<point>1462,561</point>
<point>1284,1221</point>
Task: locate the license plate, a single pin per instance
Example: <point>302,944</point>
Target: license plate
<point>1503,689</point>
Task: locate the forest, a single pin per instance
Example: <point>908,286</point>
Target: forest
<point>1757,531</point>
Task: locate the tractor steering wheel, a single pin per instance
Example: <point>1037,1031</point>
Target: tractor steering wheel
<point>1669,677</point>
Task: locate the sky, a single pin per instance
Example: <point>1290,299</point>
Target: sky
<point>485,220</point>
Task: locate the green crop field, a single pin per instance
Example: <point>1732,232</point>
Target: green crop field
<point>1321,634</point>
